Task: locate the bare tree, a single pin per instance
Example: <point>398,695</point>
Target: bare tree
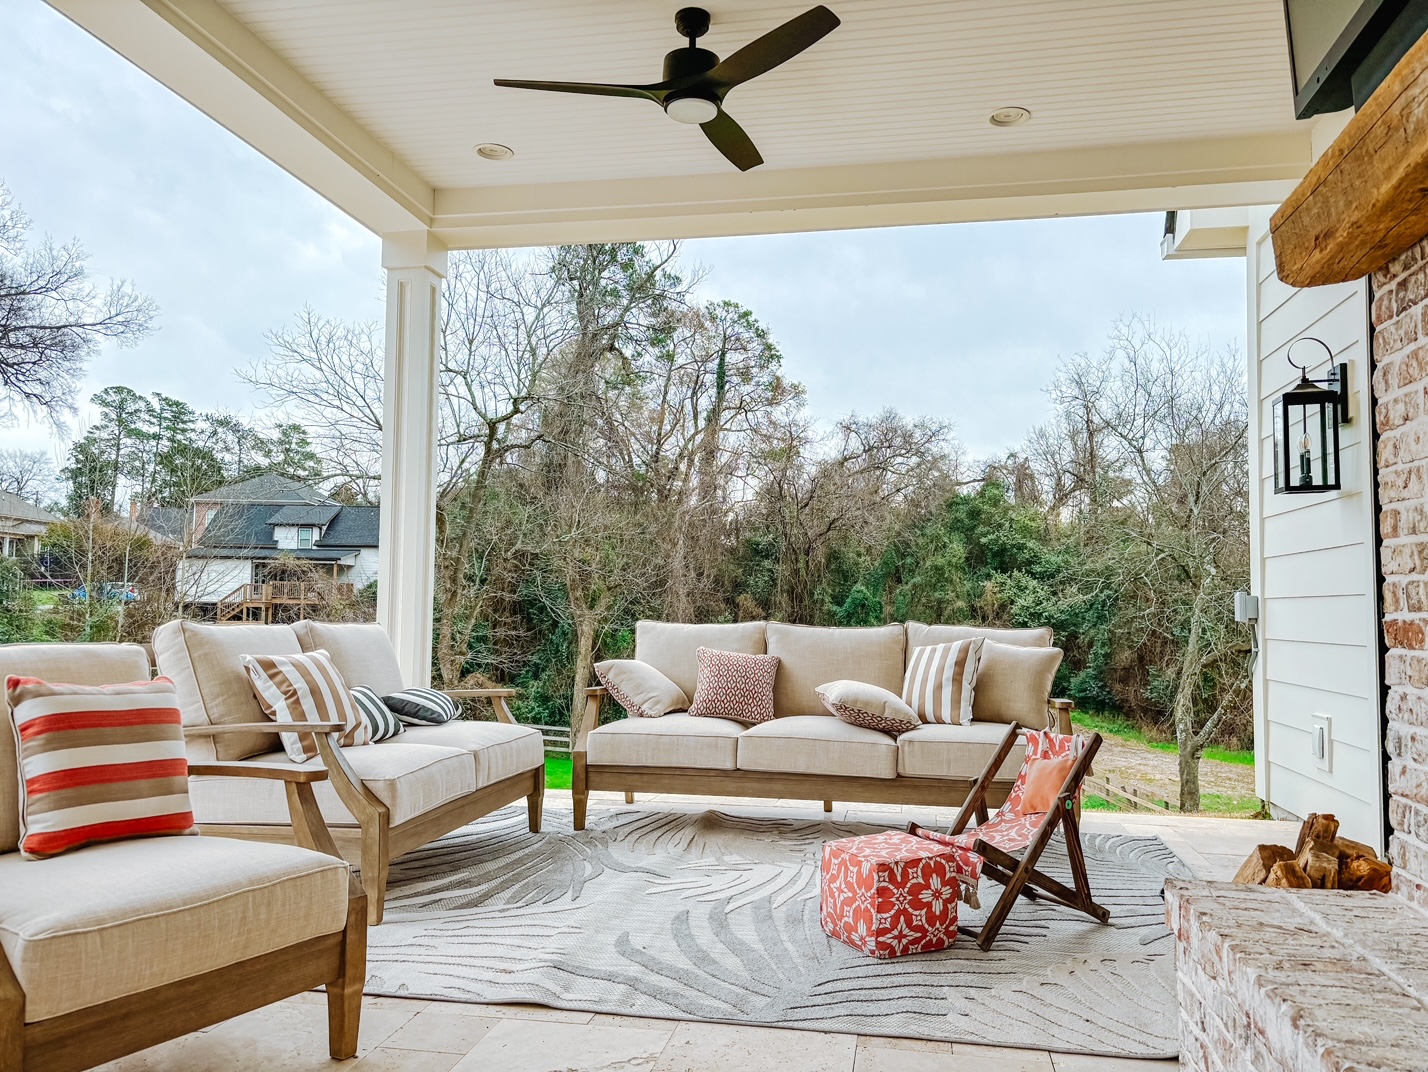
<point>29,474</point>
<point>52,319</point>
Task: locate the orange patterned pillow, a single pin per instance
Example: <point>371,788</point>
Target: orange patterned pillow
<point>734,686</point>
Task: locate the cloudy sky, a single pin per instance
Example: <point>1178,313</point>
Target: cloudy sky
<point>963,322</point>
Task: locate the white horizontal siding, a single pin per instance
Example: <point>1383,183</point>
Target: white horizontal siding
<point>207,580</point>
<point>1312,560</point>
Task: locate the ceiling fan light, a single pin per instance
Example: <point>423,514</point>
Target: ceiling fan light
<point>695,111</point>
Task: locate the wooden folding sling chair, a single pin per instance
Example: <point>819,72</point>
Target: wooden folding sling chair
<point>988,848</point>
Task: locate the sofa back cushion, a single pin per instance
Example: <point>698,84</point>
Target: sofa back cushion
<point>72,664</point>
<point>925,636</point>
<point>204,663</point>
<point>361,651</point>
<point>672,648</point>
<point>810,656</point>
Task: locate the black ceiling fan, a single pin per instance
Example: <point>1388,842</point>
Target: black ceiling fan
<point>696,82</point>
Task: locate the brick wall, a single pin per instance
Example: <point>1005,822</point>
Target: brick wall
<point>1400,391</point>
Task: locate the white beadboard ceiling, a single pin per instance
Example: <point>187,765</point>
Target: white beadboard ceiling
<point>898,81</point>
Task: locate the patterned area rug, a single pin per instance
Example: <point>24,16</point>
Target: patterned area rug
<point>711,916</point>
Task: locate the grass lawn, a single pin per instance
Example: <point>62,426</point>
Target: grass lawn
<point>557,771</point>
<point>1115,726</point>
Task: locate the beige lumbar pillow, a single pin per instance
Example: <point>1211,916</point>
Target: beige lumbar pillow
<point>861,704</point>
<point>641,689</point>
<point>940,680</point>
<point>1014,684</point>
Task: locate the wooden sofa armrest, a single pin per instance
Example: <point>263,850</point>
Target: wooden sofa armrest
<point>500,700</point>
<point>593,697</point>
<point>272,771</point>
<point>264,727</point>
<point>1059,711</point>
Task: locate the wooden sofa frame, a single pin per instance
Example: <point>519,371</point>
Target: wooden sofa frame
<point>87,1037</point>
<point>937,792</point>
<point>374,842</point>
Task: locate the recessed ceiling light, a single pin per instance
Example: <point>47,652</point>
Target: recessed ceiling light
<point>1009,117</point>
<point>491,151</point>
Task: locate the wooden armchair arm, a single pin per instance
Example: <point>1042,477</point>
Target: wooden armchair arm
<point>264,727</point>
<point>273,771</point>
<point>593,697</point>
<point>1059,715</point>
<point>500,700</point>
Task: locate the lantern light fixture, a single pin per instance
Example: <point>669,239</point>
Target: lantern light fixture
<point>1306,428</point>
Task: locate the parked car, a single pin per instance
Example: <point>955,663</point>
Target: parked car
<point>110,591</point>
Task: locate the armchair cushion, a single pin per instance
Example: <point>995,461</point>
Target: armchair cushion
<point>305,688</point>
<point>114,919</point>
<point>361,651</point>
<point>79,664</point>
<point>212,686</point>
<point>410,779</point>
<point>498,748</point>
<point>98,763</point>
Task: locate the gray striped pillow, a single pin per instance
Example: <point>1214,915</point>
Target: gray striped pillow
<point>305,688</point>
<point>381,719</point>
<point>423,707</point>
<point>940,681</point>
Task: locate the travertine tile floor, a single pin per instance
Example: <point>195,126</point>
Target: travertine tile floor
<point>432,1036</point>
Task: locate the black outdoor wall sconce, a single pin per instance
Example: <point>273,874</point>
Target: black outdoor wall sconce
<point>1306,428</point>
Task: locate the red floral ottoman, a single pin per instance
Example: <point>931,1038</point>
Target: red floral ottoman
<point>890,894</point>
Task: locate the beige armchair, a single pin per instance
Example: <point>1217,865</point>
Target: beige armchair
<point>115,947</point>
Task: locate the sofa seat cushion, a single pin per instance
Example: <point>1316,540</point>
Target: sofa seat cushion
<point>810,656</point>
<point>114,919</point>
<point>410,779</point>
<point>955,751</point>
<point>818,744</point>
<point>500,749</point>
<point>671,741</point>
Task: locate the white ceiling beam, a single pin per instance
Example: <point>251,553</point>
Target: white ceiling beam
<point>1105,179</point>
<point>210,59</point>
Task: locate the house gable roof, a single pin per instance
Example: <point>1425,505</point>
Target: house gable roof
<point>265,488</point>
<point>242,527</point>
<point>12,506</point>
<point>305,514</point>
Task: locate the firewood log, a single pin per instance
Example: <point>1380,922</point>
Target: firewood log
<point>1288,876</point>
<point>1362,873</point>
<point>1349,848</point>
<point>1320,862</point>
<point>1317,828</point>
<point>1256,867</point>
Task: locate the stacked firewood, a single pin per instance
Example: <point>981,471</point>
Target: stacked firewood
<point>1322,860</point>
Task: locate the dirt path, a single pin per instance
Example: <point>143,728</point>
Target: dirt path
<point>1127,761</point>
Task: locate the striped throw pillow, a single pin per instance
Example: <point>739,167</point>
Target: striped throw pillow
<point>423,707</point>
<point>940,681</point>
<point>381,719</point>
<point>305,688</point>
<point>98,763</point>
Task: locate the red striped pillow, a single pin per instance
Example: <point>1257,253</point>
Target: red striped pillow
<point>98,763</point>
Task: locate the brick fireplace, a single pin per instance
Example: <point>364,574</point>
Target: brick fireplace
<point>1400,390</point>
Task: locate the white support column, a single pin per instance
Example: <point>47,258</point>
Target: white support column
<point>416,264</point>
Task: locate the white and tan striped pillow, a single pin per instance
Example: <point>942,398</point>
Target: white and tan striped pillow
<point>305,688</point>
<point>941,679</point>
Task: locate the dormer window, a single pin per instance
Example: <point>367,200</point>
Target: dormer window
<point>304,537</point>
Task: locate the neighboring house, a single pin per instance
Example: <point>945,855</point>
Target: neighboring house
<point>244,536</point>
<point>21,525</point>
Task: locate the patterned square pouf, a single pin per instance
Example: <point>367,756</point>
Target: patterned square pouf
<point>890,894</point>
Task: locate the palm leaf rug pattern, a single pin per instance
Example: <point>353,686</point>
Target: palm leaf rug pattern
<point>712,916</point>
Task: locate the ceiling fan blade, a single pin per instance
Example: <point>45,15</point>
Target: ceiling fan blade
<point>597,89</point>
<point>777,46</point>
<point>729,138</point>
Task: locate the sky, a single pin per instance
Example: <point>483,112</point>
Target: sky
<point>965,323</point>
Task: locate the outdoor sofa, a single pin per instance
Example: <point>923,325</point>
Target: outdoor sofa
<point>113,947</point>
<point>805,752</point>
<point>380,800</point>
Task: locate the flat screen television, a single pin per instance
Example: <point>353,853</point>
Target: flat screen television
<point>1340,50</point>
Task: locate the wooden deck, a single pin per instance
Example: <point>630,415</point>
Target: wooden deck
<point>272,600</point>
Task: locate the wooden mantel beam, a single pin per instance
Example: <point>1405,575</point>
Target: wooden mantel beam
<point>1365,200</point>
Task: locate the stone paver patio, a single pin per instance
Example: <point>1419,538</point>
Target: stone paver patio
<point>431,1036</point>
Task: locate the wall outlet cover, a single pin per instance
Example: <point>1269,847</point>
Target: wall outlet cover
<point>1321,741</point>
